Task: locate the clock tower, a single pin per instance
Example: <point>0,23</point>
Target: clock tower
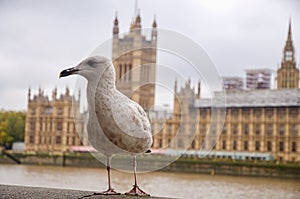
<point>288,73</point>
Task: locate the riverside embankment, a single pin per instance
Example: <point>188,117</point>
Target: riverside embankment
<point>184,164</point>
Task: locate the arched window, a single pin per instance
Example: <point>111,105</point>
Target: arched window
<point>224,144</point>
<point>246,129</point>
<point>234,147</point>
<point>246,145</point>
<point>294,131</point>
<point>193,145</point>
<point>270,130</point>
<point>294,147</point>
<point>269,146</point>
<point>130,72</point>
<point>125,71</point>
<point>281,130</point>
<point>120,71</point>
<point>235,129</point>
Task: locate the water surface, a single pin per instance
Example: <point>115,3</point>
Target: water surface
<point>177,185</point>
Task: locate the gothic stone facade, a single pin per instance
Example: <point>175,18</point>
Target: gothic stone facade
<point>134,58</point>
<point>50,123</point>
<point>257,121</point>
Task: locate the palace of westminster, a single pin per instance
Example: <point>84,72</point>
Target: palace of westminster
<point>259,120</point>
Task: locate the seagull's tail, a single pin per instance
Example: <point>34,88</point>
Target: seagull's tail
<point>148,151</point>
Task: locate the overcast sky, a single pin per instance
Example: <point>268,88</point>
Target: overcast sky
<point>40,38</point>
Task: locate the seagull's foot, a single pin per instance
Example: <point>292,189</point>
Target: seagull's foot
<point>107,192</point>
<point>136,191</point>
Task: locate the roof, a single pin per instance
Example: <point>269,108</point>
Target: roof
<point>253,98</point>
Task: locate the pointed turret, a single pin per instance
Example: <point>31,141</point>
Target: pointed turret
<point>154,24</point>
<point>175,86</point>
<point>136,24</point>
<point>176,105</point>
<point>29,93</point>
<point>115,36</point>
<point>138,21</point>
<point>54,93</point>
<point>116,25</point>
<point>40,91</point>
<point>188,83</point>
<point>199,89</point>
<point>67,93</point>
<point>154,29</point>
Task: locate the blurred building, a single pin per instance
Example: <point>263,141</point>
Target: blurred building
<point>50,124</point>
<point>258,79</point>
<point>183,122</point>
<point>134,58</point>
<point>233,83</point>
<point>259,122</point>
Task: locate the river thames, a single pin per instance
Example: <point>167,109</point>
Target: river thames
<point>176,185</point>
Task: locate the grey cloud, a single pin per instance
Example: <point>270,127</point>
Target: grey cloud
<point>39,38</point>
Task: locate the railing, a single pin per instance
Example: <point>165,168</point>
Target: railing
<point>16,160</point>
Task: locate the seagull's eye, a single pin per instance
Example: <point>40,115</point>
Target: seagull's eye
<point>95,63</point>
<point>91,63</point>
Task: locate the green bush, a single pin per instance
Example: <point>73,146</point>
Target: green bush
<point>12,127</point>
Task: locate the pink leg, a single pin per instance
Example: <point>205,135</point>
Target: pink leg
<point>136,190</point>
<point>109,191</point>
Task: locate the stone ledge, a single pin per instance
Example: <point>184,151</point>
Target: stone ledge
<point>11,191</point>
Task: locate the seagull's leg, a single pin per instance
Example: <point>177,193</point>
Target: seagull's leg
<point>109,191</point>
<point>136,190</point>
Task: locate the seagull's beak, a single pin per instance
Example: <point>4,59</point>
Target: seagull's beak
<point>67,72</point>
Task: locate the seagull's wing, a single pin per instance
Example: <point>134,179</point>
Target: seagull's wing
<point>124,122</point>
<point>131,118</point>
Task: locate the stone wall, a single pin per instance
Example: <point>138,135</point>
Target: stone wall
<point>205,166</point>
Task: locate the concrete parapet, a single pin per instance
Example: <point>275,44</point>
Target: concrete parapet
<point>9,191</point>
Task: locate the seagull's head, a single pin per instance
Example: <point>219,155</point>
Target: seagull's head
<point>90,68</point>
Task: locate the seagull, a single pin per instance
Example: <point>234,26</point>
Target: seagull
<point>116,124</point>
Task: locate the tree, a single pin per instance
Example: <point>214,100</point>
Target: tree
<point>12,127</point>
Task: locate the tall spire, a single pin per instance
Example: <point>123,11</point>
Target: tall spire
<point>290,30</point>
<point>136,23</point>
<point>288,73</point>
<point>289,48</point>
